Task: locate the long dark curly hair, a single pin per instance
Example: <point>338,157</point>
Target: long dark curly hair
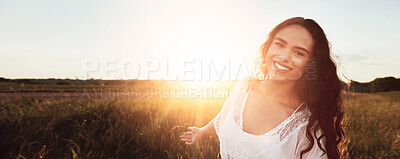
<point>320,87</point>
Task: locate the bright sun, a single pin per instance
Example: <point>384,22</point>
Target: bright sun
<point>208,52</point>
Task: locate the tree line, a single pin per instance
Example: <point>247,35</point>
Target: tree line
<point>377,85</point>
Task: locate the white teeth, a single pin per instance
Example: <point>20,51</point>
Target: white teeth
<point>281,67</point>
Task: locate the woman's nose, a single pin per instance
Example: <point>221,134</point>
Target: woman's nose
<point>284,56</point>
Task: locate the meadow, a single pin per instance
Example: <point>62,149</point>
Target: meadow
<point>149,127</point>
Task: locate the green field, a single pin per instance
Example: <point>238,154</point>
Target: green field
<point>76,127</point>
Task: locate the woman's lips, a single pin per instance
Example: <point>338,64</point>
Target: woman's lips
<point>281,67</point>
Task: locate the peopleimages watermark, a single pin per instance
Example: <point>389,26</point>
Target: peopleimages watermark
<point>188,71</point>
<point>192,69</point>
<point>196,93</point>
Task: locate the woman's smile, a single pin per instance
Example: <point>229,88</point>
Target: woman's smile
<point>281,67</point>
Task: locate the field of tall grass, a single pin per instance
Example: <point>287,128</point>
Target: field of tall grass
<point>76,127</point>
<point>372,126</point>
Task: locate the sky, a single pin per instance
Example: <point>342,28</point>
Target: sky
<point>185,39</point>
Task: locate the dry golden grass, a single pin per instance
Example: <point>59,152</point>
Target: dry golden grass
<point>33,127</point>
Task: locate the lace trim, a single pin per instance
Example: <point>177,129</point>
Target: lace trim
<point>234,98</point>
<point>293,123</point>
<point>239,105</point>
<point>283,129</point>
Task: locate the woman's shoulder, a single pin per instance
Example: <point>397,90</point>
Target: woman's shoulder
<point>243,83</point>
<point>244,79</point>
<point>247,82</point>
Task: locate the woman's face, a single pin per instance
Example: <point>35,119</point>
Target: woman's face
<point>289,52</point>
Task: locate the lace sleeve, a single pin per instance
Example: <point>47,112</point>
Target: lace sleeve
<point>239,87</point>
<point>315,151</point>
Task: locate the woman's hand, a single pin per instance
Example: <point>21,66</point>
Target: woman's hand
<point>192,136</point>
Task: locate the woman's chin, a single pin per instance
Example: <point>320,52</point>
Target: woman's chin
<point>279,78</point>
<point>283,78</point>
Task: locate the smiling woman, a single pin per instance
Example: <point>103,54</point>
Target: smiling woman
<point>281,112</point>
<point>288,56</point>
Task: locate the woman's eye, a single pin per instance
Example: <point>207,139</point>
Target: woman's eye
<point>278,44</point>
<point>299,53</point>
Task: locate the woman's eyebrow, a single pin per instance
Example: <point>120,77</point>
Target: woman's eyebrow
<point>297,47</point>
<point>280,39</point>
<point>300,48</point>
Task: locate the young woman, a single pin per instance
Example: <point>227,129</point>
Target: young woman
<point>290,108</point>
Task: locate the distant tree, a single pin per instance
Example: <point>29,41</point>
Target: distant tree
<point>63,83</point>
<point>4,79</point>
<point>360,87</point>
<point>385,84</point>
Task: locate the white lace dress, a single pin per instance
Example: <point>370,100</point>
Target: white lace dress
<point>286,140</point>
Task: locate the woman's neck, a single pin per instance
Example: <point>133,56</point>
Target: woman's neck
<point>284,91</point>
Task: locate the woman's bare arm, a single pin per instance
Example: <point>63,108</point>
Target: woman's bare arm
<point>195,134</point>
<point>209,129</point>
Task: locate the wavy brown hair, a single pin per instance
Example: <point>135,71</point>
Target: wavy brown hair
<point>320,87</point>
